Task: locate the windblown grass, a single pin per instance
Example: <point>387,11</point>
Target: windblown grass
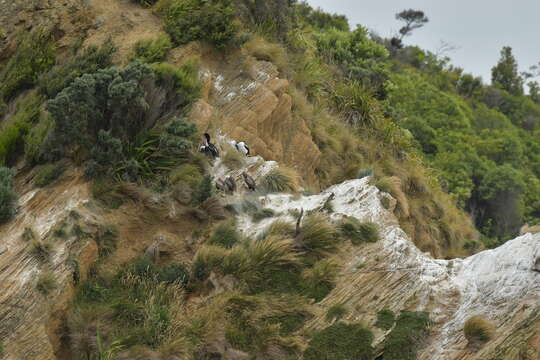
<point>281,180</point>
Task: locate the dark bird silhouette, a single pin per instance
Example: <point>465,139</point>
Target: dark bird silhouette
<point>250,182</point>
<point>208,148</point>
<point>230,184</point>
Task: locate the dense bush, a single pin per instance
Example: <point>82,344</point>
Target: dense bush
<point>90,60</point>
<point>225,235</point>
<point>359,232</point>
<point>152,50</point>
<point>404,339</point>
<point>46,174</point>
<point>341,342</point>
<point>477,329</point>
<point>35,54</point>
<point>188,20</point>
<point>321,20</point>
<point>385,319</point>
<point>7,195</point>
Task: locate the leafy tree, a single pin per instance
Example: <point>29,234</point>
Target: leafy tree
<point>321,20</point>
<point>505,74</point>
<point>175,139</point>
<point>7,196</point>
<point>413,19</point>
<point>534,91</point>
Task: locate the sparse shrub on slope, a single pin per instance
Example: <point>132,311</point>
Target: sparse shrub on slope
<point>35,54</point>
<point>341,341</point>
<point>8,197</point>
<point>403,341</point>
<point>359,232</point>
<point>280,180</point>
<point>188,20</point>
<point>478,330</point>
<point>152,50</point>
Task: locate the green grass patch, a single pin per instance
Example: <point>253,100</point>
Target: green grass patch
<point>405,338</point>
<point>385,319</point>
<point>152,50</point>
<point>341,341</point>
<point>225,235</point>
<point>358,232</point>
<point>336,312</point>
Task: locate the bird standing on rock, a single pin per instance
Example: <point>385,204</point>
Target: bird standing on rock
<point>208,148</point>
<point>250,182</point>
<point>241,147</point>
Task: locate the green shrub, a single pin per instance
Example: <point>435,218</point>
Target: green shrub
<point>46,174</point>
<point>46,283</point>
<point>263,214</point>
<point>362,173</point>
<point>183,81</point>
<point>317,236</point>
<point>225,235</point>
<point>173,273</point>
<point>203,191</point>
<point>33,141</point>
<point>341,341</point>
<point>404,339</point>
<point>186,173</point>
<point>8,198</point>
<point>359,232</point>
<point>280,180</point>
<point>188,20</point>
<point>152,50</point>
<point>35,54</point>
<point>90,60</point>
<point>385,319</point>
<point>175,140</point>
<point>477,329</point>
<point>319,280</point>
<point>336,312</point>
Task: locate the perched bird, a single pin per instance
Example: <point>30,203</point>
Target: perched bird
<point>250,182</point>
<point>230,184</point>
<point>241,147</point>
<point>208,148</point>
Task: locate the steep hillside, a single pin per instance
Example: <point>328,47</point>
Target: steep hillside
<point>333,239</point>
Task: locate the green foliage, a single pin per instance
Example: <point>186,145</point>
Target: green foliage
<point>46,174</point>
<point>341,341</point>
<point>189,20</point>
<point>262,214</point>
<point>359,232</point>
<point>225,235</point>
<point>203,191</point>
<point>505,74</point>
<point>321,20</point>
<point>385,319</point>
<point>46,283</point>
<point>90,60</point>
<point>317,236</point>
<point>403,340</point>
<point>8,198</point>
<point>182,81</point>
<point>35,54</point>
<point>13,131</point>
<point>34,139</point>
<point>319,280</point>
<point>477,329</point>
<point>152,50</point>
<point>175,140</point>
<point>336,312</point>
<point>280,180</point>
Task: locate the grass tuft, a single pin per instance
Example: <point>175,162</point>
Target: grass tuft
<point>359,232</point>
<point>46,283</point>
<point>280,180</point>
<point>385,319</point>
<point>317,236</point>
<point>478,330</point>
<point>336,312</point>
<point>341,341</point>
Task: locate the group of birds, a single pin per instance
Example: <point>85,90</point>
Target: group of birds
<point>229,184</point>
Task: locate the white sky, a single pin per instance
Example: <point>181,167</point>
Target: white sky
<point>479,28</point>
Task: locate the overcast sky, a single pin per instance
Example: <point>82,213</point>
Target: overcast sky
<point>479,28</point>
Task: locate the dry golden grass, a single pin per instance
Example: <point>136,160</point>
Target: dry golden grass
<point>478,330</point>
<point>281,179</point>
<point>261,49</point>
<point>232,158</point>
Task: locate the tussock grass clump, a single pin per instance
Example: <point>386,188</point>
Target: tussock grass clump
<point>225,235</point>
<point>46,282</point>
<point>48,174</point>
<point>385,319</point>
<point>404,339</point>
<point>279,228</point>
<point>341,341</point>
<point>40,249</point>
<point>359,232</point>
<point>152,50</point>
<point>318,280</point>
<point>317,236</point>
<point>263,214</point>
<point>232,158</point>
<point>478,330</point>
<point>392,185</point>
<point>281,180</point>
<point>336,312</point>
<point>261,49</point>
<point>187,173</point>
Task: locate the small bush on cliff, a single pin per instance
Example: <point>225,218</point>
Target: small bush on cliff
<point>188,20</point>
<point>478,330</point>
<point>403,341</point>
<point>385,319</point>
<point>48,173</point>
<point>225,235</point>
<point>359,232</point>
<point>152,50</point>
<point>46,283</point>
<point>280,180</point>
<point>35,54</point>
<point>341,341</point>
<point>7,195</point>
